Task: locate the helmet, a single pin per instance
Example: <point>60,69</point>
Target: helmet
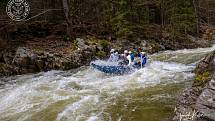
<point>112,50</point>
<point>143,53</point>
<point>126,51</point>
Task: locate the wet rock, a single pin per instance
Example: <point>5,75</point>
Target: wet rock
<point>40,65</point>
<point>81,43</point>
<point>7,56</point>
<point>206,64</point>
<point>200,98</point>
<point>7,70</point>
<point>23,57</point>
<point>25,60</point>
<point>206,102</point>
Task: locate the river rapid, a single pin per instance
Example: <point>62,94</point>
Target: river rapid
<point>85,94</point>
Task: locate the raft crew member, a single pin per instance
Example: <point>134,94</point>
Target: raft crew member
<point>143,59</point>
<point>123,58</point>
<point>139,50</point>
<point>124,55</point>
<point>130,58</point>
<point>114,57</point>
<point>140,60</point>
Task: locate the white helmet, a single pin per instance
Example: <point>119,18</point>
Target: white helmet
<point>112,50</point>
<point>143,53</point>
<point>126,51</point>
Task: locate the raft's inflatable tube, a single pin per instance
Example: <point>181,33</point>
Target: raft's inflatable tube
<point>112,69</point>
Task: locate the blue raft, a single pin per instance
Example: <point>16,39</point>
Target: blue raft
<point>112,69</point>
<point>118,69</point>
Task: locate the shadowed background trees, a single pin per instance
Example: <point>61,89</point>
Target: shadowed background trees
<point>142,18</point>
<point>130,19</point>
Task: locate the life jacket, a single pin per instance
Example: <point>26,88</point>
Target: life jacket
<point>144,59</point>
<point>132,57</point>
<point>114,57</point>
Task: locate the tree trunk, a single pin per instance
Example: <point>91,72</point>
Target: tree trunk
<point>162,13</point>
<point>68,21</point>
<point>196,5</point>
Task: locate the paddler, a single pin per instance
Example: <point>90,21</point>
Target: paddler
<point>114,56</point>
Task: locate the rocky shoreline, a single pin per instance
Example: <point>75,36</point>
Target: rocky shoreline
<point>41,55</point>
<point>23,60</point>
<point>198,102</point>
<point>28,59</point>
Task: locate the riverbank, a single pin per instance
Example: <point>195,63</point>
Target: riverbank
<point>197,102</point>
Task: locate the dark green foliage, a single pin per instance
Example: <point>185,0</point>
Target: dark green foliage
<point>101,54</point>
<point>104,44</point>
<point>132,18</point>
<point>202,79</point>
<point>3,3</point>
<point>182,18</point>
<point>129,16</point>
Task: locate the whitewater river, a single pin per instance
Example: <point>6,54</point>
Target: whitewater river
<point>85,94</point>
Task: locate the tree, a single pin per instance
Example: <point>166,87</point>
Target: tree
<point>196,6</point>
<point>67,17</point>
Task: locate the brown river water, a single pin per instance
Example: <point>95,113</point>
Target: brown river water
<point>84,94</point>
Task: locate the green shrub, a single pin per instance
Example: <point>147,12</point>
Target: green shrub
<point>201,79</point>
<point>73,46</point>
<point>100,54</point>
<point>104,44</point>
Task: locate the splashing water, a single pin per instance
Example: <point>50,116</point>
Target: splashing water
<point>88,95</point>
<point>105,63</point>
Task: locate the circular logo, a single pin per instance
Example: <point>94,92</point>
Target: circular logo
<point>17,10</point>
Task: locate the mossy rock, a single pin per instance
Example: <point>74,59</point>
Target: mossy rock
<point>73,46</point>
<point>155,47</point>
<point>101,43</point>
<point>5,70</point>
<point>202,79</point>
<point>92,40</point>
<point>104,44</point>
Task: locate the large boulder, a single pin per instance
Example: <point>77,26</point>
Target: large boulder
<point>205,103</point>
<point>24,57</point>
<point>25,60</point>
<point>198,102</point>
<point>81,43</point>
<point>208,63</point>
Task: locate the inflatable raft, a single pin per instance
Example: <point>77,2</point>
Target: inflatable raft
<point>112,69</point>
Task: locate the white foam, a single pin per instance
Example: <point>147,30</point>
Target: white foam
<point>101,62</point>
<point>73,111</point>
<point>93,118</point>
<point>189,51</point>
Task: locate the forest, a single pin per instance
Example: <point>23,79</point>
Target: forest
<point>130,19</point>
